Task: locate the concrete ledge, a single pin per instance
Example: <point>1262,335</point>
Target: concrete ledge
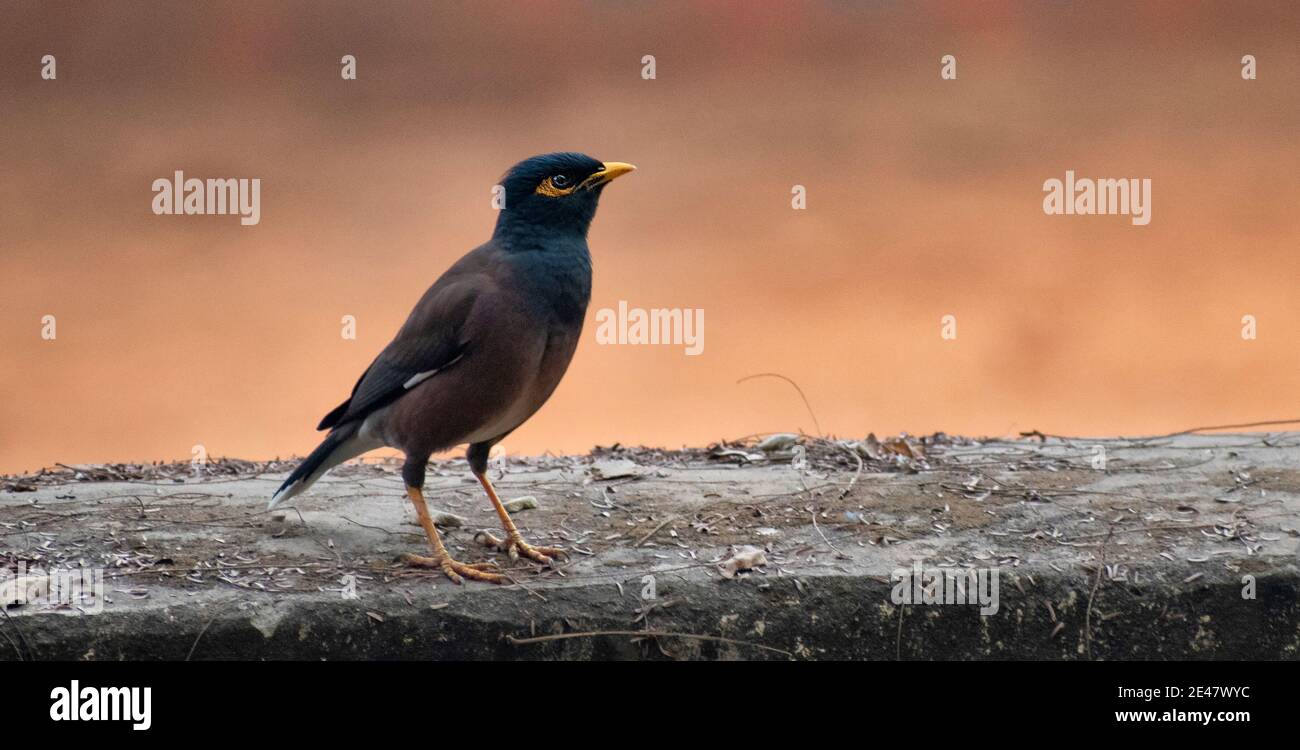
<point>1155,555</point>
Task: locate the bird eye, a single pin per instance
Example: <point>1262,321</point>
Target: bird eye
<point>560,181</point>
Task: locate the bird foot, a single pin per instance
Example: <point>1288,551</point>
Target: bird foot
<point>515,547</point>
<point>455,570</point>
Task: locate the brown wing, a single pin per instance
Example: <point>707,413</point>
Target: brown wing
<point>431,339</point>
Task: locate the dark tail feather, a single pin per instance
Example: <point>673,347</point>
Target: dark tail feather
<point>315,464</point>
<point>331,419</point>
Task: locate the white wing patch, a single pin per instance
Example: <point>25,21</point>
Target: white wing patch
<point>420,377</point>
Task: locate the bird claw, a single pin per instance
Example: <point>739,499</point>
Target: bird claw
<point>455,570</point>
<point>515,547</point>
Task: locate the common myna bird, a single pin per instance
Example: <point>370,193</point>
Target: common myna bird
<point>483,349</point>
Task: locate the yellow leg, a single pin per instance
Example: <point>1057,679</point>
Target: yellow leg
<point>441,558</point>
<point>514,543</point>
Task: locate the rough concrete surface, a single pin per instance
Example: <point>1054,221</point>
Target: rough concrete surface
<point>1182,547</point>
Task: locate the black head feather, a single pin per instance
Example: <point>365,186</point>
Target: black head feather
<point>545,194</point>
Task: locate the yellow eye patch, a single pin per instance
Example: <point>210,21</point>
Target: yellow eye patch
<point>549,189</point>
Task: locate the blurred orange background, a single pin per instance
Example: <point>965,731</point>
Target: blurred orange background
<point>924,200</point>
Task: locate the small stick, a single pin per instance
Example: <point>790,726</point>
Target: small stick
<point>778,375</point>
<point>824,539</point>
<point>1087,617</point>
<point>21,636</point>
<point>856,474</point>
<point>654,531</point>
<point>199,637</point>
<point>1188,431</point>
<point>642,634</point>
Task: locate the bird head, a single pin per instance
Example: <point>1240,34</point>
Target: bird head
<point>555,192</point>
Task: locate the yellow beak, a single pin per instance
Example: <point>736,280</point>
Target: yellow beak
<point>609,171</point>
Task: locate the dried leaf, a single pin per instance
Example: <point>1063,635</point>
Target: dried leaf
<point>747,557</point>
